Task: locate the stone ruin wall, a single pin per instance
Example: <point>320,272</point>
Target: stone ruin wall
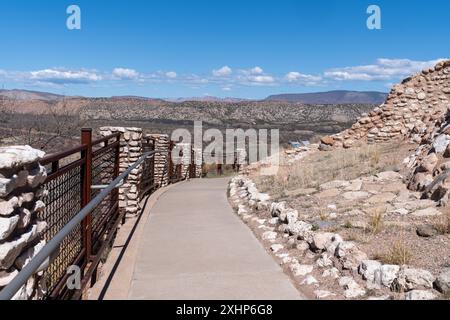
<point>21,195</point>
<point>130,151</point>
<point>410,111</point>
<point>162,143</point>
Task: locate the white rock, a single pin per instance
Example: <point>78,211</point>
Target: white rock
<point>7,226</point>
<point>441,143</point>
<point>276,247</point>
<point>385,297</point>
<point>6,276</point>
<point>301,269</point>
<point>320,240</point>
<point>321,294</point>
<point>274,221</point>
<point>428,212</point>
<point>324,261</point>
<point>387,274</point>
<point>389,175</point>
<point>299,228</point>
<point>420,295</point>
<point>351,288</point>
<point>331,273</point>
<point>9,251</point>
<point>18,156</point>
<point>368,269</point>
<point>309,280</point>
<point>410,279</point>
<point>8,207</point>
<point>28,255</point>
<point>269,235</point>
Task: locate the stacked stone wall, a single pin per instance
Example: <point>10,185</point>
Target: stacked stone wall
<point>410,111</point>
<point>21,195</point>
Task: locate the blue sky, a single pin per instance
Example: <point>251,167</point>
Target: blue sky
<point>246,48</point>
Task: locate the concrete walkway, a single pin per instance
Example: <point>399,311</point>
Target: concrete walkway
<point>194,247</point>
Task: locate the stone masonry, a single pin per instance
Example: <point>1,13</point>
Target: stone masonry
<point>130,152</point>
<point>161,159</point>
<point>21,179</point>
<point>411,109</point>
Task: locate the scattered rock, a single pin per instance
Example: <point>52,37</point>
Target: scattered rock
<point>276,247</point>
<point>322,294</point>
<point>428,212</point>
<point>420,295</point>
<point>269,235</point>
<point>309,280</point>
<point>426,231</point>
<point>300,269</point>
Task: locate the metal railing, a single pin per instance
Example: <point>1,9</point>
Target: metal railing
<point>68,229</point>
<point>82,209</point>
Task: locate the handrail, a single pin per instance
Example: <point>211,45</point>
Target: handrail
<point>61,155</point>
<point>14,286</point>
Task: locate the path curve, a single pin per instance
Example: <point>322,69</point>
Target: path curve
<point>193,246</point>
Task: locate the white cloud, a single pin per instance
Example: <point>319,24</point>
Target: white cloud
<point>256,70</point>
<point>222,72</point>
<point>302,78</point>
<point>125,74</point>
<point>171,74</point>
<point>383,69</point>
<point>226,89</point>
<point>60,76</point>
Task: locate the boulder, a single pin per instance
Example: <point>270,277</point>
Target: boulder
<point>442,282</point>
<point>410,279</point>
<point>387,275</point>
<point>426,231</point>
<point>320,240</point>
<point>327,140</point>
<point>18,156</point>
<point>441,143</point>
<point>368,269</point>
<point>351,288</point>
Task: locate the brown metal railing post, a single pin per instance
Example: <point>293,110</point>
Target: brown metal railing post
<point>86,139</point>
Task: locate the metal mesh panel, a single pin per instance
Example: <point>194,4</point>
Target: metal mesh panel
<point>63,202</point>
<point>103,174</point>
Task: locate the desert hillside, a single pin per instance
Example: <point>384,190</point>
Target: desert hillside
<point>364,214</point>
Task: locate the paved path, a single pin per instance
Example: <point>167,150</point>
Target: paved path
<point>194,247</point>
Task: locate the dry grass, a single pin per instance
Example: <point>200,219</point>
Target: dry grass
<point>376,221</point>
<point>442,225</point>
<point>339,164</point>
<point>399,254</point>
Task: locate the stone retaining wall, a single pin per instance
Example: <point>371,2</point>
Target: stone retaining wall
<point>21,193</point>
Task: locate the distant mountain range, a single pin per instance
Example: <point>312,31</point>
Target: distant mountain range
<point>330,97</point>
<point>17,94</point>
